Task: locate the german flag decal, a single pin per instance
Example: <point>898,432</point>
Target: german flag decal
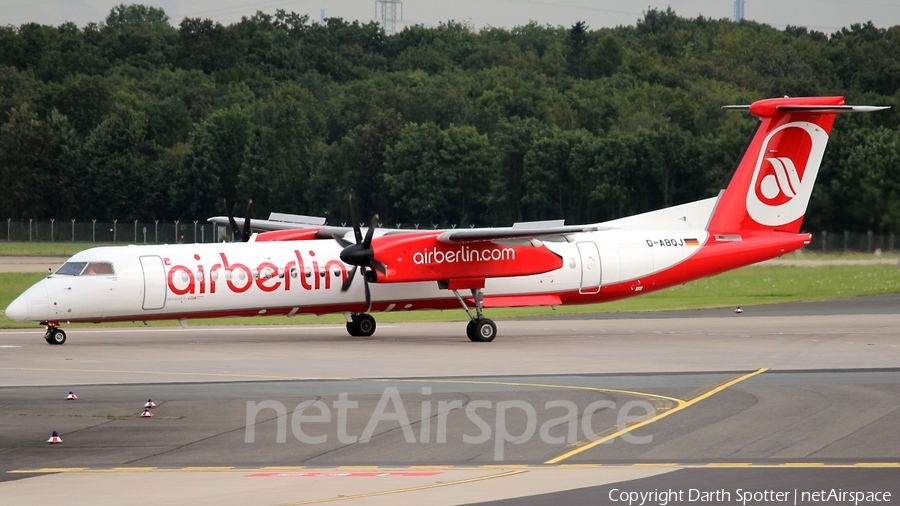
<point>691,242</point>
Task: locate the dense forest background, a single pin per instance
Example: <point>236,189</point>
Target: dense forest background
<point>134,118</point>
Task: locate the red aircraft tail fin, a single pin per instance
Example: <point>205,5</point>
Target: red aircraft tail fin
<point>770,185</point>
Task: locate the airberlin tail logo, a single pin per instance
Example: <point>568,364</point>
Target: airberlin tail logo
<point>785,173</point>
<point>783,182</point>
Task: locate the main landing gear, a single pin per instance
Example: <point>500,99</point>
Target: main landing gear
<point>361,325</point>
<point>54,334</point>
<point>479,328</point>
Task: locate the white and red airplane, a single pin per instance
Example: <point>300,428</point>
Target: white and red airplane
<point>757,216</point>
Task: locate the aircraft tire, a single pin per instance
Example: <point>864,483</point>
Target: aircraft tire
<point>470,330</point>
<point>57,336</point>
<point>351,329</point>
<point>483,331</point>
<point>365,325</point>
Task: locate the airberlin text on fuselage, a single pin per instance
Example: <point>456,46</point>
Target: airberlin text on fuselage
<point>465,254</point>
<point>267,277</point>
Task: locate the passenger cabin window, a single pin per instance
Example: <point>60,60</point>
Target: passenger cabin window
<point>98,268</point>
<point>86,269</point>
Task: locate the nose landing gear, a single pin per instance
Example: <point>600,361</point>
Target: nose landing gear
<point>54,334</point>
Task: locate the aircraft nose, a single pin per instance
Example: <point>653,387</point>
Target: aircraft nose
<point>18,309</point>
<point>31,305</point>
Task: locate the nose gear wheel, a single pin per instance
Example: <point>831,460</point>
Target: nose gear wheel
<point>55,335</point>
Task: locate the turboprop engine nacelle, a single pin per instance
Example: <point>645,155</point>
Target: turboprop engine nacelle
<point>426,258</point>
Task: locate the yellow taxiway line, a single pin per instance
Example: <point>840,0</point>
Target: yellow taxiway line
<point>682,405</point>
<point>532,385</point>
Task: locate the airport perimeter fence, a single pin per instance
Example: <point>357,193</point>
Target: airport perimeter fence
<point>851,242</point>
<point>121,232</point>
<point>136,232</point>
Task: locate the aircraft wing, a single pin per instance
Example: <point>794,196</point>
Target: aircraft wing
<point>271,225</point>
<point>532,230</point>
<point>493,234</point>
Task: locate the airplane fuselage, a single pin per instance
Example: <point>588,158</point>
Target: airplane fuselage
<point>303,277</point>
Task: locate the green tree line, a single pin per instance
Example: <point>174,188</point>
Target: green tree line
<point>134,118</point>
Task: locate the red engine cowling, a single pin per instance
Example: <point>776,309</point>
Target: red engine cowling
<point>422,257</point>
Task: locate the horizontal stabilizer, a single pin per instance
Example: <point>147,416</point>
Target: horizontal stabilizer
<point>832,109</point>
<point>775,107</point>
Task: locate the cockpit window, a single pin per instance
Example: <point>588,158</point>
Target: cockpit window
<point>86,269</point>
<point>71,268</point>
<point>98,268</point>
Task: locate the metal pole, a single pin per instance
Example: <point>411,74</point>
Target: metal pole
<point>8,237</point>
<point>176,231</point>
<point>202,233</point>
<point>869,241</point>
<point>94,230</point>
<point>846,238</point>
<point>156,231</point>
<point>195,231</point>
<point>73,229</point>
<point>824,240</point>
<point>29,228</point>
<point>51,228</point>
<point>135,231</point>
<point>115,229</point>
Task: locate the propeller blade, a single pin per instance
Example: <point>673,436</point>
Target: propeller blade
<point>235,231</point>
<point>246,236</point>
<point>349,281</point>
<point>355,222</point>
<point>368,295</point>
<point>371,230</point>
<point>378,266</point>
<point>340,240</point>
<point>360,254</point>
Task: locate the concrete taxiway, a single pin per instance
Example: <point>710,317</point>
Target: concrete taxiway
<point>572,408</point>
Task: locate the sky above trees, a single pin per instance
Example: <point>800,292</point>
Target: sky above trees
<point>821,15</point>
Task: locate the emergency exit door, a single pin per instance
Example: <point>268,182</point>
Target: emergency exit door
<point>590,267</point>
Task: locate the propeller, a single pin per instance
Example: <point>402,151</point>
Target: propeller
<point>360,254</point>
<point>236,234</point>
